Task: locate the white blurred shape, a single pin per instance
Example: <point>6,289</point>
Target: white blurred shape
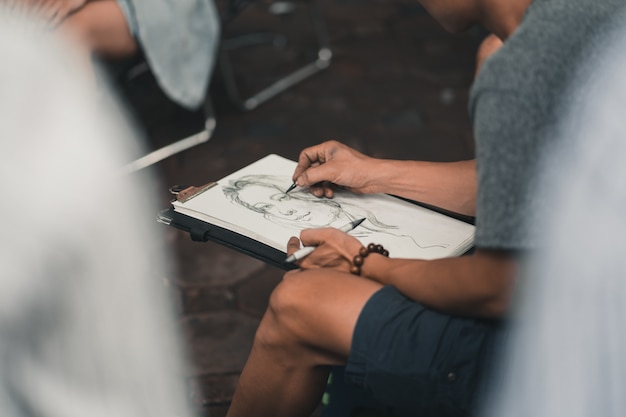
<point>86,327</point>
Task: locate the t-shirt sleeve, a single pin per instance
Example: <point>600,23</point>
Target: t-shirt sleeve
<point>507,153</point>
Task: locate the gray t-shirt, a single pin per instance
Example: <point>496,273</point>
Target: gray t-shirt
<point>516,104</point>
<point>564,355</point>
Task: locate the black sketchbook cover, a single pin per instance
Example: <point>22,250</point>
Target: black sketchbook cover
<point>201,231</point>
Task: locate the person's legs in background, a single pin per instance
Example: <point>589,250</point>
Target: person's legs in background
<point>103,29</point>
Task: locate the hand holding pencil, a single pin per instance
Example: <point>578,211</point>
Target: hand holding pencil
<point>333,163</point>
<point>303,252</point>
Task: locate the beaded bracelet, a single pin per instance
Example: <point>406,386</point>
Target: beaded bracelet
<point>358,260</point>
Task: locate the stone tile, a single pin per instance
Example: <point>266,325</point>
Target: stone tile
<point>219,342</point>
<point>201,299</point>
<point>253,294</point>
<point>210,264</point>
<point>211,395</point>
<point>213,390</point>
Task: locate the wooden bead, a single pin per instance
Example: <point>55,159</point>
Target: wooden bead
<point>359,259</point>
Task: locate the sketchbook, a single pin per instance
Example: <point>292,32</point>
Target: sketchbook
<point>249,210</point>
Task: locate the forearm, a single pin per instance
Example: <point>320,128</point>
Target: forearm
<point>478,285</point>
<point>449,185</point>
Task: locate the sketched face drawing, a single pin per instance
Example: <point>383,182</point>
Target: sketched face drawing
<point>265,194</point>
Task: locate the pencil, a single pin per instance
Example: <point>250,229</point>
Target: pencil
<point>291,187</point>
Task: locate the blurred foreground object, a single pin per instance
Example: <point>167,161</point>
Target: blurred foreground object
<point>86,327</point>
<point>565,356</point>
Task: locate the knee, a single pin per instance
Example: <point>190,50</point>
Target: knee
<point>289,310</point>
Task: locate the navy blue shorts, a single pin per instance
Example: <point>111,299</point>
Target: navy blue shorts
<point>417,361</point>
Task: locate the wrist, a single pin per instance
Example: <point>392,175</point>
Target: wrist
<point>364,253</point>
<point>392,177</point>
<point>379,171</point>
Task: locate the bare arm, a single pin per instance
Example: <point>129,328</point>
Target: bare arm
<point>449,185</point>
<point>478,285</point>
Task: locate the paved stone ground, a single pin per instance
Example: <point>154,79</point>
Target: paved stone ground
<point>397,88</point>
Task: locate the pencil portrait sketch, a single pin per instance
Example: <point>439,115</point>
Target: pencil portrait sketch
<point>265,195</point>
<point>252,202</point>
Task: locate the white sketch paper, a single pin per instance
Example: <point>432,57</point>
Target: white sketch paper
<point>253,202</point>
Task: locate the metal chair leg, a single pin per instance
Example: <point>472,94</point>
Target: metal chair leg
<point>180,145</point>
<point>322,61</point>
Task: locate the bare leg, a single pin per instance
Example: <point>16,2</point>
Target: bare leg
<point>99,28</point>
<point>307,328</point>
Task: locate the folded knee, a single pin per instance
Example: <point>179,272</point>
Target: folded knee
<point>288,312</point>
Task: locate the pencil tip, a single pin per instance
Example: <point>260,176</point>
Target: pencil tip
<point>291,187</point>
<point>358,222</point>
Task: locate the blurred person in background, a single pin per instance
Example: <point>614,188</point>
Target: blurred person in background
<point>178,38</point>
<point>566,352</point>
<point>86,326</point>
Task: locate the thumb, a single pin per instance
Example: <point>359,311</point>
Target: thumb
<point>293,245</point>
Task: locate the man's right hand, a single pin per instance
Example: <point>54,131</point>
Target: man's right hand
<point>331,164</point>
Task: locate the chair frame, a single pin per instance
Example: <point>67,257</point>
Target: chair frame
<point>322,61</point>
